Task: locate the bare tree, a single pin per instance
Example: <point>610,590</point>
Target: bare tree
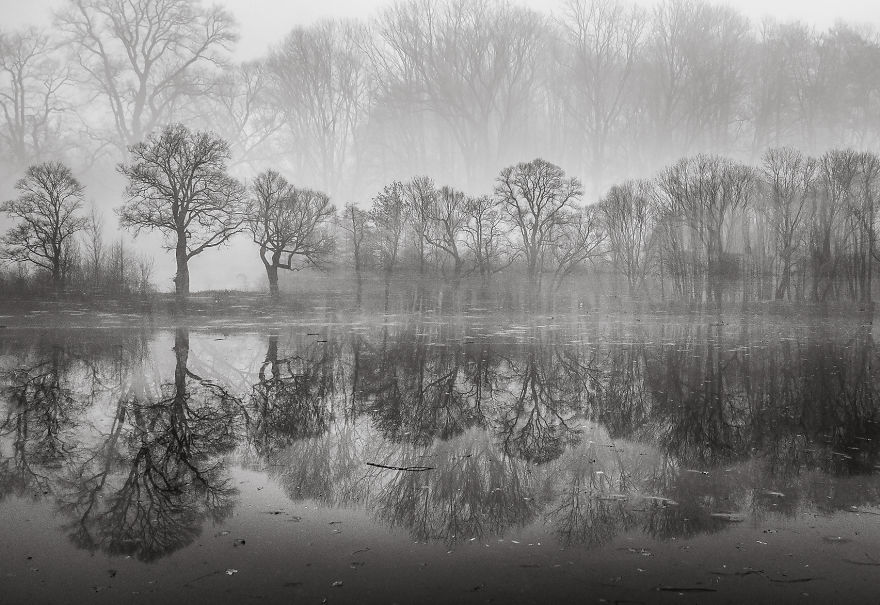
<point>46,212</point>
<point>145,265</point>
<point>356,223</point>
<point>789,180</point>
<point>420,198</point>
<point>474,64</point>
<point>320,86</point>
<point>837,173</point>
<point>866,214</point>
<point>287,224</point>
<point>388,215</point>
<point>486,235</point>
<point>604,38</point>
<point>30,103</point>
<point>629,220</point>
<point>178,185</point>
<point>240,108</point>
<point>448,219</point>
<point>143,58</point>
<point>536,196</point>
<point>94,243</point>
<point>705,191</point>
<point>693,76</point>
<point>579,239</point>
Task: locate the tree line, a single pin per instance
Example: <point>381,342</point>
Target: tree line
<point>458,89</point>
<point>793,227</point>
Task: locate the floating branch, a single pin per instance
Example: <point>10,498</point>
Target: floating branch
<point>414,469</point>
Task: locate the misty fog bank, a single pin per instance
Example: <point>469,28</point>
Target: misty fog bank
<point>453,90</point>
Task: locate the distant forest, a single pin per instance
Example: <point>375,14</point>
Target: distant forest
<point>404,144</point>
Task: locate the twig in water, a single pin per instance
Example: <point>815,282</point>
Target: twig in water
<point>872,562</point>
<point>414,469</point>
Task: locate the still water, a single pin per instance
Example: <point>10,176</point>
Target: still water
<point>469,457</point>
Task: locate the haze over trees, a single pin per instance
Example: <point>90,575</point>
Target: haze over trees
<point>704,147</point>
<point>143,60</point>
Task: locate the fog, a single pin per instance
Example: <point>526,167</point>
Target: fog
<point>349,97</point>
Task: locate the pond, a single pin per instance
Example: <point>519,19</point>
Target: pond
<point>476,456</point>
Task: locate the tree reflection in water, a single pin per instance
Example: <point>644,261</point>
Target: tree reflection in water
<point>42,410</point>
<point>591,429</point>
<point>597,431</point>
<point>144,486</point>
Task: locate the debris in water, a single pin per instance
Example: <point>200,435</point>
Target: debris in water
<point>612,497</point>
<point>860,511</point>
<point>686,589</point>
<point>872,562</point>
<point>745,572</point>
<point>402,468</point>
<point>773,494</point>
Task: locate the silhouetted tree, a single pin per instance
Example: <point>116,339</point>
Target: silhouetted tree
<point>485,235</point>
<point>536,196</point>
<point>789,178</point>
<point>448,218</point>
<point>178,185</point>
<point>629,220</point>
<point>287,224</point>
<point>46,212</point>
<point>388,215</point>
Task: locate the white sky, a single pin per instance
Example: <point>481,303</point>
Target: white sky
<point>264,22</point>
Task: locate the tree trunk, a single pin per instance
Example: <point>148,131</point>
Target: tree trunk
<point>181,279</point>
<point>56,273</point>
<point>272,274</point>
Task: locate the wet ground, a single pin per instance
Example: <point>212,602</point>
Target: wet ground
<point>467,457</point>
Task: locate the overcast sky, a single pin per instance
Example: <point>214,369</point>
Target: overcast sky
<point>264,22</point>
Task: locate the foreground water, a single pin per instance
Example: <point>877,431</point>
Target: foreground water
<point>467,458</point>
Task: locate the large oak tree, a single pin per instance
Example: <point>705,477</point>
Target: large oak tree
<point>178,185</point>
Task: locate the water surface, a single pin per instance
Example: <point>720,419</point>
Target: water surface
<point>420,457</point>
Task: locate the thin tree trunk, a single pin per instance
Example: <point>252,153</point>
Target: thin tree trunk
<point>181,279</point>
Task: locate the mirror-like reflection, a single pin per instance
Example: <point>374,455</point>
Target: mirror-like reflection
<point>588,429</point>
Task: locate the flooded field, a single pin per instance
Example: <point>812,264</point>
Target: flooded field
<point>466,457</point>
